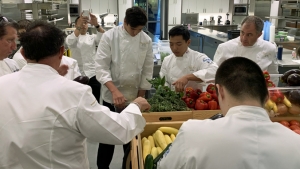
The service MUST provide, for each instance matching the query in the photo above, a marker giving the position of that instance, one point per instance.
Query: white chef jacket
(262, 52)
(46, 118)
(244, 139)
(83, 49)
(126, 61)
(8, 66)
(73, 70)
(18, 57)
(193, 62)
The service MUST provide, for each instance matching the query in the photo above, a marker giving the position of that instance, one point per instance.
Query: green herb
(164, 98)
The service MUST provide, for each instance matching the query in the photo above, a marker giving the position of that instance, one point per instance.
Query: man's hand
(63, 69)
(82, 21)
(180, 84)
(119, 99)
(94, 20)
(142, 102)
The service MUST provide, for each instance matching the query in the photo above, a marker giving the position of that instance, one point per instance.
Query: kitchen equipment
(212, 21)
(204, 22)
(190, 18)
(279, 52)
(233, 34)
(227, 22)
(102, 16)
(219, 20)
(74, 10)
(240, 9)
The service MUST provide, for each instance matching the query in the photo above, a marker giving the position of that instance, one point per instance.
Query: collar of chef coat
(253, 111)
(184, 55)
(39, 67)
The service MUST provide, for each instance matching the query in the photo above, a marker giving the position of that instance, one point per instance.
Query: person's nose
(14, 45)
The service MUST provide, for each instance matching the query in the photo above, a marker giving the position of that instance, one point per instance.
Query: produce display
(283, 100)
(163, 55)
(198, 100)
(291, 77)
(156, 143)
(164, 98)
(293, 125)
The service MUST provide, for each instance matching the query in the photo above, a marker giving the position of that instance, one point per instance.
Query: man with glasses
(124, 62)
(8, 37)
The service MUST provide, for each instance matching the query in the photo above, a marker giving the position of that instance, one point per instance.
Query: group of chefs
(46, 116)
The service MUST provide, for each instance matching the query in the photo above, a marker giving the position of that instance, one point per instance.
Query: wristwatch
(98, 26)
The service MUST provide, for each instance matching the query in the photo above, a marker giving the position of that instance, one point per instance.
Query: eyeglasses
(3, 19)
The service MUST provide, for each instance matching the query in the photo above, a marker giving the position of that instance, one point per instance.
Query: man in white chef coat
(8, 37)
(68, 66)
(83, 48)
(46, 122)
(184, 64)
(245, 137)
(249, 45)
(124, 63)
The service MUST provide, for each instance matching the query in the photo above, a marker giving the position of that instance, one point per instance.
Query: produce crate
(168, 116)
(204, 114)
(137, 161)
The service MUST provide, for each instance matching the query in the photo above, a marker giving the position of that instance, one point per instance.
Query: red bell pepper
(205, 96)
(212, 105)
(192, 94)
(201, 105)
(215, 97)
(198, 91)
(190, 102)
(276, 96)
(188, 89)
(211, 88)
(270, 83)
(266, 75)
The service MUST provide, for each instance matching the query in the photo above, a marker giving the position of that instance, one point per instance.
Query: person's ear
(61, 52)
(23, 53)
(221, 91)
(188, 42)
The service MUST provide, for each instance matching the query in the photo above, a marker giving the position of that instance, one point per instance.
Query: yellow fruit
(159, 150)
(287, 102)
(154, 152)
(169, 130)
(160, 138)
(275, 109)
(150, 138)
(270, 104)
(146, 149)
(155, 141)
(172, 137)
(168, 139)
(144, 139)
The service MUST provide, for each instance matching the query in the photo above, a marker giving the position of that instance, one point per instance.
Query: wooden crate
(137, 161)
(287, 118)
(204, 114)
(168, 116)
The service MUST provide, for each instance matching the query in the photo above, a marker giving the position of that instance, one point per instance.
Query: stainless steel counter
(210, 33)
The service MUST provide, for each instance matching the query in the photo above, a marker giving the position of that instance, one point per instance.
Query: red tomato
(294, 127)
(294, 122)
(285, 123)
(297, 131)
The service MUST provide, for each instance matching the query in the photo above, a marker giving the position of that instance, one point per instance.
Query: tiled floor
(92, 149)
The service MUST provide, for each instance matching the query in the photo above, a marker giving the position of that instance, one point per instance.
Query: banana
(168, 139)
(144, 139)
(287, 102)
(275, 109)
(168, 130)
(160, 138)
(172, 137)
(154, 152)
(270, 104)
(150, 138)
(146, 148)
(159, 150)
(155, 141)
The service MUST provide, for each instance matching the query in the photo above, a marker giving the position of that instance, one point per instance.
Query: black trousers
(106, 151)
(96, 87)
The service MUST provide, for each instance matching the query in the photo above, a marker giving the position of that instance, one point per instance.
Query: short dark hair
(23, 24)
(41, 40)
(180, 30)
(258, 22)
(243, 78)
(136, 16)
(4, 23)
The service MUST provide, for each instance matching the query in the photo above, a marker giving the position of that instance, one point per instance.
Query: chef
(68, 66)
(249, 45)
(8, 37)
(185, 65)
(47, 123)
(124, 63)
(83, 48)
(245, 138)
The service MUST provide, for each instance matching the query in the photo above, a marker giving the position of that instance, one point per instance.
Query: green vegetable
(160, 156)
(148, 162)
(163, 55)
(164, 98)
